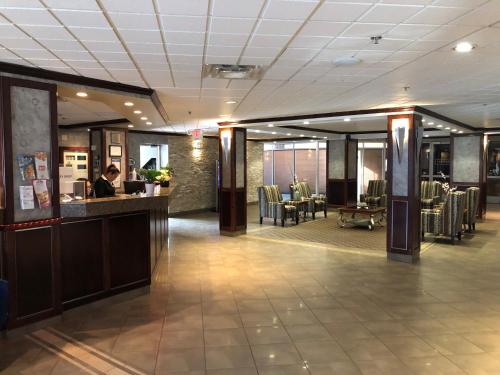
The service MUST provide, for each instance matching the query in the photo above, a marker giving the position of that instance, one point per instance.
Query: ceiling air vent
(228, 71)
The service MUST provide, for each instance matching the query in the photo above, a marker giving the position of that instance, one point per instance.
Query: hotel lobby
(257, 187)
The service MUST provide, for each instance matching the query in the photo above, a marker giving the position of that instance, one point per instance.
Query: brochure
(26, 167)
(41, 162)
(26, 197)
(42, 193)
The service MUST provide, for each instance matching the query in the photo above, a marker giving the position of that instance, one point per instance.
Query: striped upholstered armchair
(471, 206)
(447, 219)
(302, 192)
(271, 205)
(375, 194)
(431, 193)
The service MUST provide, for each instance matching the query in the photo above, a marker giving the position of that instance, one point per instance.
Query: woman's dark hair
(112, 169)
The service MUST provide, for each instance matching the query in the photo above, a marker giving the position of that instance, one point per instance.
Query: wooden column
(342, 171)
(403, 187)
(468, 165)
(233, 181)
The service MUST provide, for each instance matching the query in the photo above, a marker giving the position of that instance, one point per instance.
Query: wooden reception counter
(110, 245)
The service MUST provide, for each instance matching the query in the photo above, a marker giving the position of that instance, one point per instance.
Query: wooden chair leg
(261, 218)
(274, 221)
(297, 218)
(282, 222)
(325, 212)
(314, 215)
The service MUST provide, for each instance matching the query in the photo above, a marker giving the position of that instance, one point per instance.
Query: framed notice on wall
(116, 138)
(115, 151)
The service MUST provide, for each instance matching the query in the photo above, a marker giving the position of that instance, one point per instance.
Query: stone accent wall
(195, 173)
(255, 169)
(135, 140)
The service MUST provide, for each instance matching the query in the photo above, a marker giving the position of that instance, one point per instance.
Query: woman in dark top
(103, 186)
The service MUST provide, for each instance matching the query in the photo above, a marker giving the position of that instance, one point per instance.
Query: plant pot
(150, 189)
(165, 184)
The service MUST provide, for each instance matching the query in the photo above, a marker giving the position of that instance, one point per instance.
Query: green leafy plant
(149, 175)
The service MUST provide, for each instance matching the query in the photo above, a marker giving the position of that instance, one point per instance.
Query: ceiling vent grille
(228, 71)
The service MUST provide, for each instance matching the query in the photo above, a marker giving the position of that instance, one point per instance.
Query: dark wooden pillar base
(341, 171)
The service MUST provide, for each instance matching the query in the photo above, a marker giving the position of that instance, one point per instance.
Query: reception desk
(110, 245)
(94, 249)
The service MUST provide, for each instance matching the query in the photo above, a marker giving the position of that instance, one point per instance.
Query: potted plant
(166, 174)
(149, 176)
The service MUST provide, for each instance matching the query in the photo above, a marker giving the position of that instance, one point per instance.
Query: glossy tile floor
(251, 305)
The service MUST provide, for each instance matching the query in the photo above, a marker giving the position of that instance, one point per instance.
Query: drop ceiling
(163, 44)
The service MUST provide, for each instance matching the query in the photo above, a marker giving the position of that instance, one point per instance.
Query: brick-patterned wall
(194, 173)
(255, 169)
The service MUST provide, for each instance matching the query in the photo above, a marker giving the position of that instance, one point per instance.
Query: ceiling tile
(34, 53)
(20, 4)
(481, 16)
(82, 18)
(450, 33)
(74, 4)
(250, 60)
(261, 52)
(184, 37)
(234, 25)
(145, 47)
(231, 8)
(85, 64)
(366, 29)
(58, 45)
(269, 41)
(111, 65)
(310, 41)
(409, 31)
(349, 43)
(338, 12)
(290, 10)
(197, 24)
(93, 45)
(422, 45)
(278, 27)
(185, 59)
(30, 17)
(128, 6)
(111, 56)
(299, 53)
(185, 49)
(138, 36)
(437, 15)
(10, 31)
(323, 28)
(94, 34)
(383, 13)
(217, 59)
(184, 7)
(97, 72)
(75, 55)
(227, 39)
(48, 32)
(461, 3)
(223, 50)
(26, 43)
(134, 21)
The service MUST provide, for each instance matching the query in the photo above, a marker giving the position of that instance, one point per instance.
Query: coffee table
(361, 216)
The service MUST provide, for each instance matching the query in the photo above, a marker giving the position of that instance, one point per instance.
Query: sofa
(302, 192)
(271, 205)
(445, 220)
(376, 195)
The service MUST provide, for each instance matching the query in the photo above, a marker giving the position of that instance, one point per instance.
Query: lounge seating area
(376, 194)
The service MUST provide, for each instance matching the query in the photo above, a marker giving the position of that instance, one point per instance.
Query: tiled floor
(250, 305)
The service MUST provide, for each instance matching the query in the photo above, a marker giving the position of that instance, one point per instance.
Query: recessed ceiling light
(88, 130)
(137, 112)
(144, 118)
(149, 123)
(130, 125)
(447, 128)
(325, 137)
(460, 132)
(231, 101)
(426, 136)
(430, 123)
(347, 119)
(453, 130)
(224, 115)
(439, 126)
(273, 133)
(464, 47)
(302, 135)
(270, 125)
(128, 104)
(314, 136)
(289, 134)
(257, 131)
(423, 120)
(311, 140)
(306, 122)
(82, 94)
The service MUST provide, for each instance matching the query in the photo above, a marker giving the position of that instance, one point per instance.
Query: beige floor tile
(388, 328)
(228, 357)
(477, 363)
(267, 335)
(452, 344)
(275, 355)
(337, 368)
(234, 371)
(297, 317)
(254, 305)
(260, 319)
(489, 342)
(222, 321)
(386, 366)
(408, 346)
(286, 304)
(308, 333)
(178, 360)
(225, 337)
(181, 339)
(283, 370)
(321, 352)
(366, 349)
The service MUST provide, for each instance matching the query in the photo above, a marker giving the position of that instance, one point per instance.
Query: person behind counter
(103, 186)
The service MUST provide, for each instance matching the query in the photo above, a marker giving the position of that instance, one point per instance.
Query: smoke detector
(376, 39)
(347, 61)
(228, 71)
